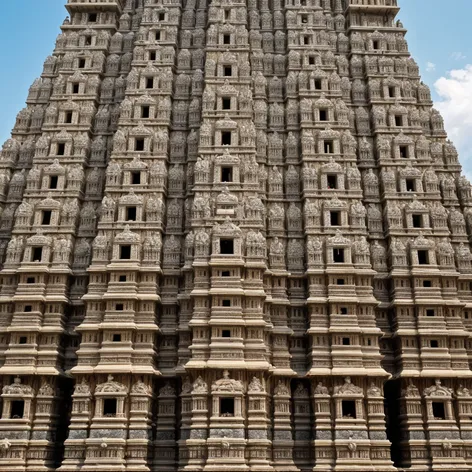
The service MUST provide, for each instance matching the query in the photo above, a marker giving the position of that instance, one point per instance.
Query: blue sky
(440, 39)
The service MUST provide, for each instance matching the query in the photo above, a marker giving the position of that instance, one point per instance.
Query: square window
(328, 147)
(46, 217)
(434, 343)
(343, 310)
(152, 57)
(304, 19)
(61, 149)
(226, 303)
(75, 88)
(125, 252)
(158, 35)
(349, 409)
(429, 312)
(28, 309)
(119, 307)
(318, 82)
(427, 284)
(145, 111)
(92, 17)
(17, 409)
(150, 81)
(311, 61)
(225, 273)
(332, 181)
(135, 178)
(81, 63)
(88, 40)
(162, 16)
(30, 280)
(131, 213)
(398, 120)
(226, 138)
(226, 333)
(423, 257)
(226, 39)
(226, 174)
(346, 341)
(68, 117)
(226, 103)
(323, 115)
(23, 340)
(227, 71)
(109, 407)
(340, 282)
(226, 406)
(338, 255)
(53, 181)
(116, 338)
(335, 218)
(226, 246)
(410, 185)
(417, 221)
(122, 278)
(37, 254)
(439, 412)
(139, 144)
(404, 152)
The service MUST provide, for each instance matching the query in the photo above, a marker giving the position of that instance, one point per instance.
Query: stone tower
(233, 236)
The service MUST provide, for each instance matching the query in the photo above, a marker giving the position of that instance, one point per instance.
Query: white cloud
(458, 56)
(455, 105)
(430, 67)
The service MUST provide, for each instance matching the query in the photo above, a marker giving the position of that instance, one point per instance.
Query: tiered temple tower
(233, 236)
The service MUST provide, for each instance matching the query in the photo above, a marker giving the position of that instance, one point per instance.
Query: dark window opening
(125, 252)
(145, 112)
(429, 312)
(53, 181)
(119, 307)
(226, 39)
(81, 63)
(306, 40)
(328, 147)
(152, 57)
(226, 302)
(23, 340)
(423, 257)
(225, 273)
(227, 71)
(75, 88)
(304, 18)
(227, 14)
(417, 221)
(332, 181)
(318, 82)
(391, 92)
(226, 103)
(226, 174)
(158, 35)
(311, 61)
(162, 16)
(28, 309)
(30, 280)
(323, 115)
(92, 17)
(439, 412)
(404, 152)
(17, 409)
(88, 40)
(109, 407)
(117, 338)
(139, 145)
(68, 118)
(375, 45)
(349, 409)
(226, 246)
(61, 149)
(130, 213)
(135, 178)
(122, 278)
(37, 254)
(398, 120)
(226, 138)
(150, 81)
(226, 333)
(343, 310)
(434, 343)
(46, 219)
(410, 185)
(226, 406)
(338, 255)
(335, 218)
(340, 282)
(346, 341)
(427, 284)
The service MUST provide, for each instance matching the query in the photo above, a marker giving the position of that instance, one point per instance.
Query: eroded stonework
(234, 236)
